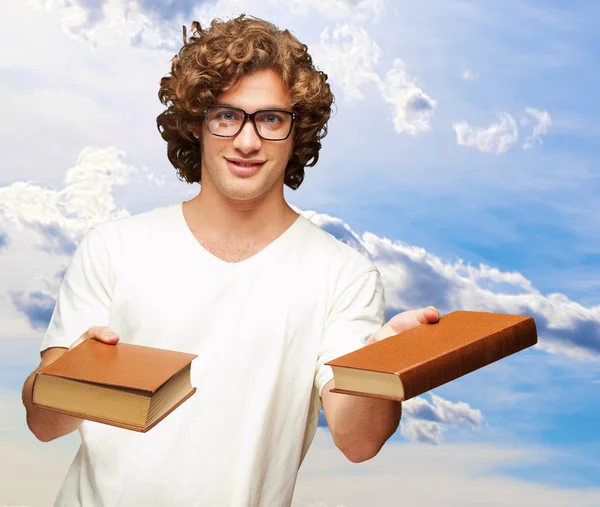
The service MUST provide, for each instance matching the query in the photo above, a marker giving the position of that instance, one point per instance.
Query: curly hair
(212, 62)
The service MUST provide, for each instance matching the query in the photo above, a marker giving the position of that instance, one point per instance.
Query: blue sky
(462, 159)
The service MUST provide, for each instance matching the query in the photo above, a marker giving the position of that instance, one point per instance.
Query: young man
(235, 275)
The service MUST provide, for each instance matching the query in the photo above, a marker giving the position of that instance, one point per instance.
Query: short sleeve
(358, 312)
(85, 293)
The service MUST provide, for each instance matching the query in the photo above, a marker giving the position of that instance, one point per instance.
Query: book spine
(469, 358)
(33, 390)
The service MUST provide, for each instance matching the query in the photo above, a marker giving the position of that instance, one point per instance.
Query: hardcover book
(427, 356)
(124, 385)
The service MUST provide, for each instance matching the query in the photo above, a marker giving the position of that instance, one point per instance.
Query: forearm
(365, 424)
(46, 424)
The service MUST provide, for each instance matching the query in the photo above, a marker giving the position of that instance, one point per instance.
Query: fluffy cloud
(413, 278)
(3, 238)
(500, 136)
(428, 421)
(42, 227)
(413, 108)
(336, 227)
(496, 138)
(157, 25)
(346, 51)
(469, 75)
(348, 55)
(337, 9)
(327, 478)
(36, 305)
(431, 476)
(61, 217)
(542, 121)
(97, 22)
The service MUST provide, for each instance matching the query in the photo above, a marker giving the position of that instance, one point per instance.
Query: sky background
(462, 158)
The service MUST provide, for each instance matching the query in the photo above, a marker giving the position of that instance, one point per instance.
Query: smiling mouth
(245, 164)
(244, 169)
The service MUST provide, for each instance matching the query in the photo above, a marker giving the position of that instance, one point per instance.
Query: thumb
(103, 334)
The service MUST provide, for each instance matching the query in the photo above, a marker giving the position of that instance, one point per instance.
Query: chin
(245, 194)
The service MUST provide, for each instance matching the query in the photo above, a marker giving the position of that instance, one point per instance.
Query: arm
(84, 299)
(360, 426)
(46, 424)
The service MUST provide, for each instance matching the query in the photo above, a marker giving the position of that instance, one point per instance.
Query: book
(125, 385)
(427, 356)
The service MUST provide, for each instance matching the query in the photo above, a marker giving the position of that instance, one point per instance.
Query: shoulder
(343, 252)
(134, 227)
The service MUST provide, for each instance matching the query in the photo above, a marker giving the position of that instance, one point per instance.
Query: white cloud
(412, 276)
(86, 198)
(335, 226)
(500, 136)
(100, 23)
(415, 278)
(158, 24)
(44, 224)
(413, 108)
(542, 122)
(41, 227)
(422, 431)
(347, 54)
(432, 476)
(469, 75)
(428, 421)
(338, 9)
(327, 478)
(25, 460)
(497, 138)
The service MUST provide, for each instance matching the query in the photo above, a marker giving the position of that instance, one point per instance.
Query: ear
(196, 129)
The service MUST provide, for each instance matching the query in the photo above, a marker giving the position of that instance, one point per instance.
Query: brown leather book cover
(120, 365)
(430, 355)
(136, 371)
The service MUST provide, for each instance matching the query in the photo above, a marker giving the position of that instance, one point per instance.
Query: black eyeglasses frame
(249, 116)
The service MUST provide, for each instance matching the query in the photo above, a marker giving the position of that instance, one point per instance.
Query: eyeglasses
(269, 124)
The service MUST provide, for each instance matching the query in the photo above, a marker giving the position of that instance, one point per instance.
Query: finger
(404, 321)
(407, 320)
(412, 318)
(383, 332)
(431, 314)
(103, 334)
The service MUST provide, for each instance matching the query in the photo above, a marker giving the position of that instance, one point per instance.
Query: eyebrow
(269, 106)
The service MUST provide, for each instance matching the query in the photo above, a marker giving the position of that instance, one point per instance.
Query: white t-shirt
(262, 328)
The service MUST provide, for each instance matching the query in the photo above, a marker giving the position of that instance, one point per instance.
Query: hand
(403, 321)
(103, 334)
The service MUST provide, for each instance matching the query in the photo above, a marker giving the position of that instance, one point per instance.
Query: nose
(247, 140)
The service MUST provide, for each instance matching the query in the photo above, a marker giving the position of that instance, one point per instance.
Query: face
(247, 168)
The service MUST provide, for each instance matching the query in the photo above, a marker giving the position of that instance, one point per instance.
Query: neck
(218, 216)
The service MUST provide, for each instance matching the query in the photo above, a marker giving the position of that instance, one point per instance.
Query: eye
(226, 116)
(270, 118)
